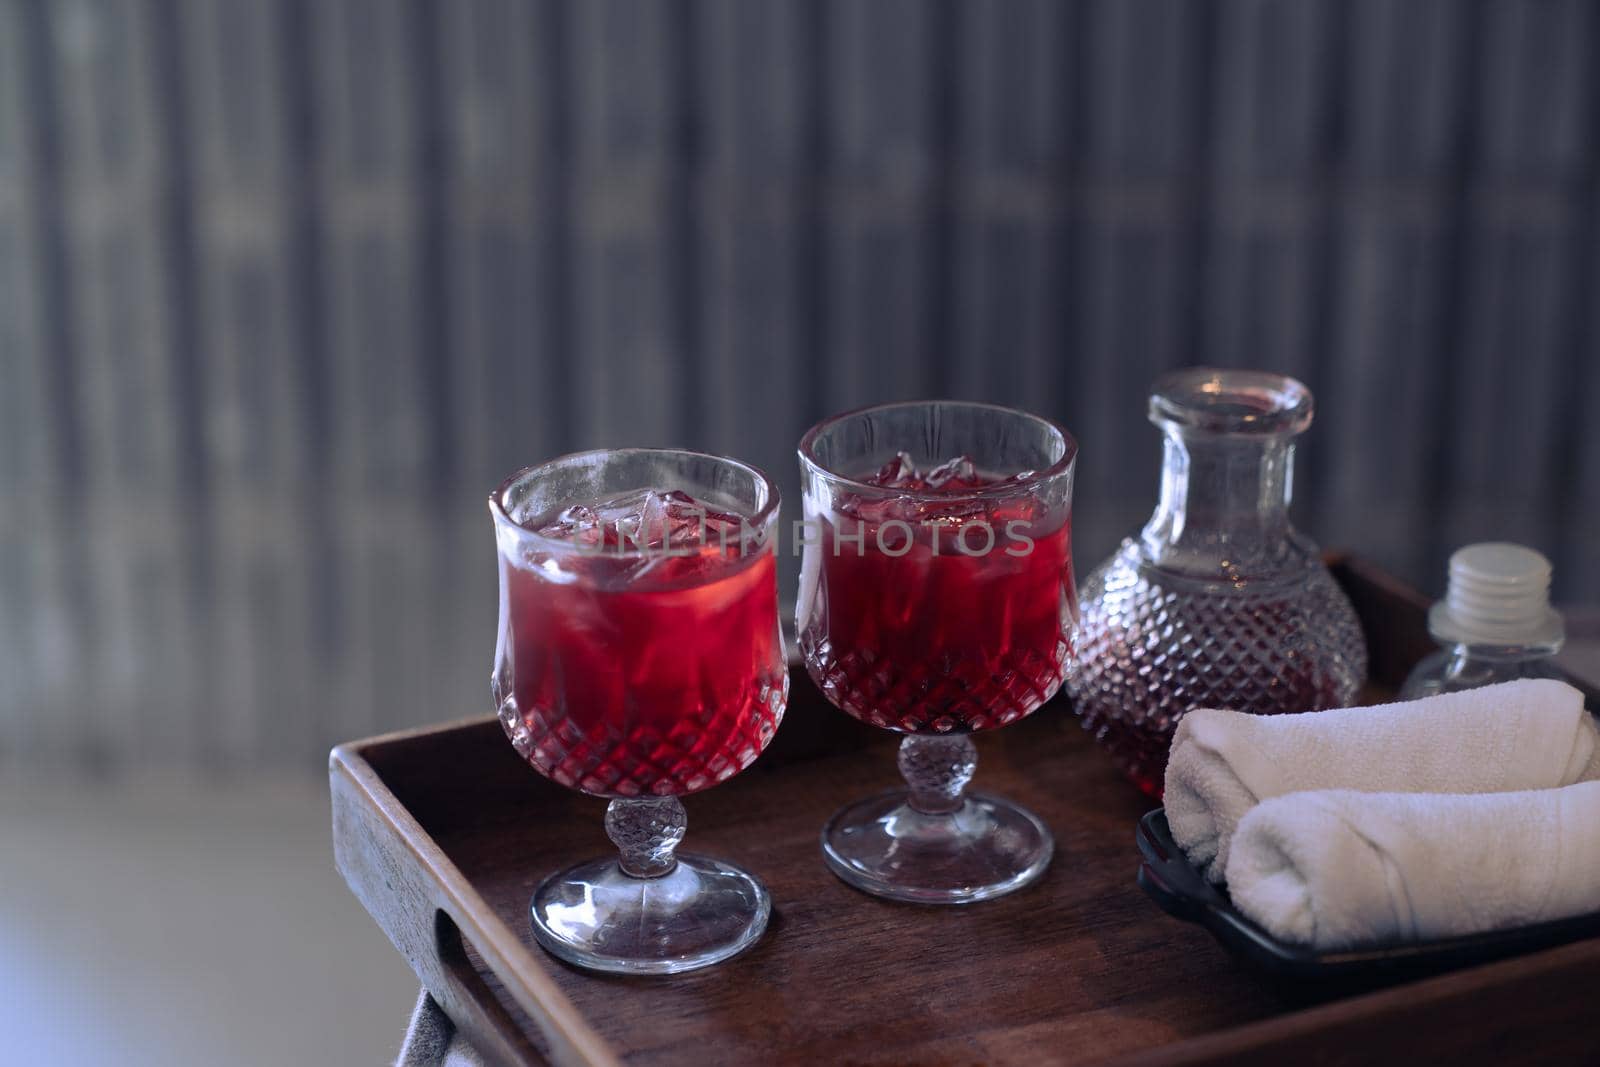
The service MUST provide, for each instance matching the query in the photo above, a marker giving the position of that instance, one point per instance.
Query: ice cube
(899, 473)
(953, 512)
(957, 473)
(572, 521)
(683, 520)
(649, 519)
(726, 533)
(625, 519)
(876, 511)
(695, 524)
(638, 520)
(633, 569)
(1014, 509)
(952, 475)
(652, 527)
(949, 509)
(580, 524)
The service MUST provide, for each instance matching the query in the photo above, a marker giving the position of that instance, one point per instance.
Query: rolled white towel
(1529, 734)
(1336, 869)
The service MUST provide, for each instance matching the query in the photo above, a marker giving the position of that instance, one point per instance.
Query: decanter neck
(1227, 474)
(1224, 503)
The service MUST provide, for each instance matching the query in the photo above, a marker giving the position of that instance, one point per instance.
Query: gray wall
(286, 286)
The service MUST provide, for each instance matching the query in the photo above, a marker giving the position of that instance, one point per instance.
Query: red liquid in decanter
(1141, 750)
(940, 612)
(1146, 680)
(635, 673)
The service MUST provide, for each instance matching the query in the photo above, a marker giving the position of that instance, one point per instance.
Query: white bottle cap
(1499, 594)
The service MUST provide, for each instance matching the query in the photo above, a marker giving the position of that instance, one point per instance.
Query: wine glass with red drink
(937, 601)
(639, 658)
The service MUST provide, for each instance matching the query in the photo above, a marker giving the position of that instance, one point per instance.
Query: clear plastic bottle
(1495, 623)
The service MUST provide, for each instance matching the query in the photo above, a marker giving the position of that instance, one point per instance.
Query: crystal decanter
(1219, 602)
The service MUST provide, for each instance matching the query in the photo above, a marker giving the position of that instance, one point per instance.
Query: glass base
(986, 848)
(702, 912)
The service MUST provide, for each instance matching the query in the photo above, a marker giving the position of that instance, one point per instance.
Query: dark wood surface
(445, 833)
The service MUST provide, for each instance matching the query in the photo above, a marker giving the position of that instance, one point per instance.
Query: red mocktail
(941, 612)
(639, 652)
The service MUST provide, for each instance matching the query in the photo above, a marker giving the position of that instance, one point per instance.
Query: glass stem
(938, 768)
(646, 831)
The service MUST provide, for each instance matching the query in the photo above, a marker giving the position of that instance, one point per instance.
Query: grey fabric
(432, 1041)
(280, 410)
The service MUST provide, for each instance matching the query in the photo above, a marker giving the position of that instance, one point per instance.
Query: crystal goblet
(937, 600)
(639, 658)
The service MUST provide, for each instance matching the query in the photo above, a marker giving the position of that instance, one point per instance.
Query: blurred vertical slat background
(286, 286)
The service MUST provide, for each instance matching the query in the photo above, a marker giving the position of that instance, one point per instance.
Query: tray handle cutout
(454, 958)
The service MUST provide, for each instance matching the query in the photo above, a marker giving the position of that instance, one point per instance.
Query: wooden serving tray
(443, 834)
